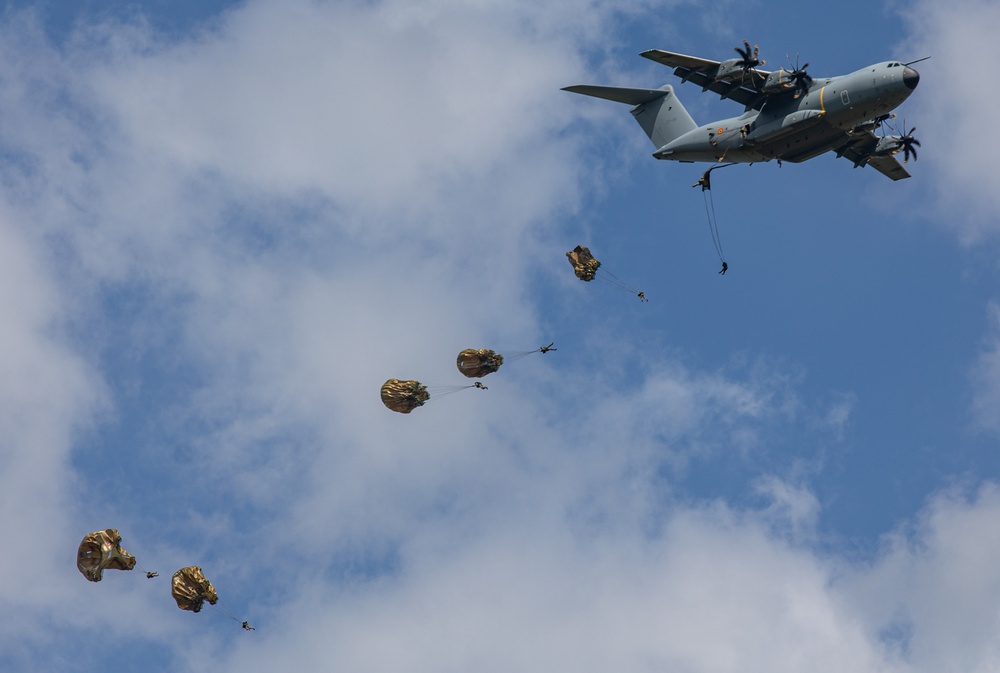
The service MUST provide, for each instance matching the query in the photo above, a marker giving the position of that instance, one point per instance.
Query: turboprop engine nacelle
(777, 81)
(730, 70)
(888, 145)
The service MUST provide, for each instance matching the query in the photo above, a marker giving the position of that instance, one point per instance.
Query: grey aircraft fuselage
(796, 129)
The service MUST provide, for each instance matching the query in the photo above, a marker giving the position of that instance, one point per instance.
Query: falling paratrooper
(705, 182)
(405, 396)
(190, 589)
(585, 266)
(475, 363)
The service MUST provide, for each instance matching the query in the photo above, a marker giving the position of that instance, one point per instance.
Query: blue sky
(224, 225)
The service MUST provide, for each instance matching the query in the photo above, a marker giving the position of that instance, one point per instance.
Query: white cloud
(790, 507)
(933, 595)
(713, 592)
(950, 108)
(309, 198)
(48, 396)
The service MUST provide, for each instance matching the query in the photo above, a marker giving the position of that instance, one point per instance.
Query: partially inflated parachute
(477, 363)
(585, 267)
(190, 589)
(404, 396)
(584, 264)
(100, 551)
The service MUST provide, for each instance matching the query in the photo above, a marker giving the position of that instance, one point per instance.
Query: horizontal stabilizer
(619, 94)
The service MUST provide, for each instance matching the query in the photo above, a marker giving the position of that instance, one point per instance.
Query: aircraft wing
(889, 166)
(672, 60)
(858, 150)
(702, 71)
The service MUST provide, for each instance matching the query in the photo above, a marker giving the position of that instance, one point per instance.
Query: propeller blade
(750, 59)
(910, 144)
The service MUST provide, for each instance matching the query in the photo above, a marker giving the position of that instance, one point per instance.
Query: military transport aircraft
(789, 115)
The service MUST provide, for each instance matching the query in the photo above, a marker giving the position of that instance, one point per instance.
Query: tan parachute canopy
(190, 589)
(477, 363)
(100, 551)
(404, 396)
(585, 267)
(584, 264)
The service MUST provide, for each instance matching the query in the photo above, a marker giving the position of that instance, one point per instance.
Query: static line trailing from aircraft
(788, 116)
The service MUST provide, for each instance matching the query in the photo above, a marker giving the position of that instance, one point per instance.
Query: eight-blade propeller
(799, 77)
(909, 144)
(906, 143)
(749, 60)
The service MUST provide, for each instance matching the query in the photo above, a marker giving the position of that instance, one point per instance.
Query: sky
(224, 224)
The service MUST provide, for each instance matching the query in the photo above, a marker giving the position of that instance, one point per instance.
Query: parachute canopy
(585, 267)
(100, 551)
(584, 264)
(190, 589)
(404, 396)
(477, 363)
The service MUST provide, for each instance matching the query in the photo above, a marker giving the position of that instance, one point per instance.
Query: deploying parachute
(191, 589)
(477, 363)
(585, 267)
(584, 264)
(404, 396)
(100, 551)
(705, 182)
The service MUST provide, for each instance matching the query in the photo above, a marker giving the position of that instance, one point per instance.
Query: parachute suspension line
(441, 391)
(225, 614)
(511, 355)
(587, 268)
(611, 279)
(705, 182)
(229, 615)
(516, 355)
(713, 224)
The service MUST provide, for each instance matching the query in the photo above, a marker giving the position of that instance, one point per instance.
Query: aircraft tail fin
(658, 111)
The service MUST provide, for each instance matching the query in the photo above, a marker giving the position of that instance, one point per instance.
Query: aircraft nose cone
(910, 77)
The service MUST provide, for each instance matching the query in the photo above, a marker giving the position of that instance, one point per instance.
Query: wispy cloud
(958, 145)
(216, 249)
